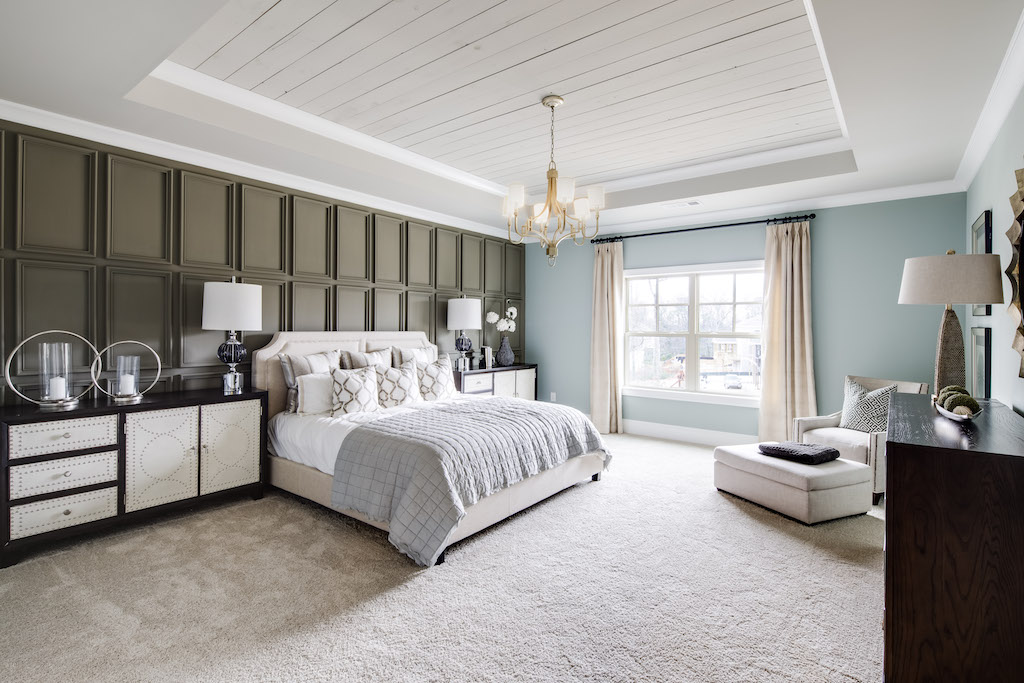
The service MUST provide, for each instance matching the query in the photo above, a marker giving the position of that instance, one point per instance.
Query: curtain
(606, 339)
(787, 388)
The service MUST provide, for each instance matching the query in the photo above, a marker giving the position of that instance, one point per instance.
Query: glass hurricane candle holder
(55, 372)
(124, 386)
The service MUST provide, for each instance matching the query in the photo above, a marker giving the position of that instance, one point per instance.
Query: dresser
(102, 464)
(519, 381)
(954, 544)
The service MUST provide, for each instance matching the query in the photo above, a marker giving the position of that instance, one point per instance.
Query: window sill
(745, 401)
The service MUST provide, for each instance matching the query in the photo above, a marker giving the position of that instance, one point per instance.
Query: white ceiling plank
(624, 49)
(675, 102)
(284, 17)
(776, 81)
(296, 44)
(370, 29)
(549, 34)
(345, 80)
(228, 22)
(603, 94)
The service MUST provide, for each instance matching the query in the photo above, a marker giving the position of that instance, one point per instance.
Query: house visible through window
(695, 329)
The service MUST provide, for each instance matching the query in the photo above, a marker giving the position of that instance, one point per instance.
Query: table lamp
(231, 307)
(464, 314)
(948, 280)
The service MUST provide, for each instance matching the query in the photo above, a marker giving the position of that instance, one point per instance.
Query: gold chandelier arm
(515, 218)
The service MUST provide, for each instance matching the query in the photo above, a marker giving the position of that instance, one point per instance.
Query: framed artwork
(981, 363)
(981, 243)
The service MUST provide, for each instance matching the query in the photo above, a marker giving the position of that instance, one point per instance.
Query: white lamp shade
(581, 207)
(232, 306)
(464, 314)
(952, 279)
(516, 196)
(596, 196)
(565, 190)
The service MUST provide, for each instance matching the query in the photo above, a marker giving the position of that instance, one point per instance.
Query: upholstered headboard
(266, 368)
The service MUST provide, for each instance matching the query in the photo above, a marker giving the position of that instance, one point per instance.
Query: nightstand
(519, 381)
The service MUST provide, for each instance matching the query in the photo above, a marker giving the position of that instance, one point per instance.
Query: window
(695, 329)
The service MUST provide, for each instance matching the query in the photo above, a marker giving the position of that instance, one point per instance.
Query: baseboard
(706, 437)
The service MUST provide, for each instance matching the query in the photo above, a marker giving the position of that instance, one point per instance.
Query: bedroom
(349, 160)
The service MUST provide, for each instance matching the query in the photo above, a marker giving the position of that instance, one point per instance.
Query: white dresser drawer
(57, 436)
(57, 513)
(477, 383)
(63, 474)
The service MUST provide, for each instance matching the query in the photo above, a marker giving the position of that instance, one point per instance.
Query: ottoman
(808, 493)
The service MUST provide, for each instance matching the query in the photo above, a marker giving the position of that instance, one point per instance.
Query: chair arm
(805, 424)
(876, 460)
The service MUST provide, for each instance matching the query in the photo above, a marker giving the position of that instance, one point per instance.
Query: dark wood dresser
(954, 544)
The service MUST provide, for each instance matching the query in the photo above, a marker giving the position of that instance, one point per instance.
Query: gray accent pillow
(354, 391)
(436, 379)
(355, 359)
(425, 354)
(397, 386)
(866, 411)
(294, 366)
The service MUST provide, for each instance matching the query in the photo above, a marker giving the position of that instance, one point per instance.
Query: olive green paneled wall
(113, 244)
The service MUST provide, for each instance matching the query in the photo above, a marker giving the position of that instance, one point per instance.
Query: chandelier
(551, 222)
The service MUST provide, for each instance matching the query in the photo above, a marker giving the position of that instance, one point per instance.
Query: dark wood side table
(954, 544)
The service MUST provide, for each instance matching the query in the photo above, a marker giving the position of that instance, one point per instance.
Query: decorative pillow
(397, 386)
(355, 359)
(314, 393)
(294, 366)
(436, 380)
(866, 411)
(292, 401)
(426, 354)
(354, 391)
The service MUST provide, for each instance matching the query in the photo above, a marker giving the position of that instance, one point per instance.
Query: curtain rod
(766, 221)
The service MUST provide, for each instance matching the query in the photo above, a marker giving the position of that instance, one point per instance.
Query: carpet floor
(648, 575)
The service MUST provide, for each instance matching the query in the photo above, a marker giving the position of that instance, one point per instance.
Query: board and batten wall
(113, 244)
(991, 189)
(857, 255)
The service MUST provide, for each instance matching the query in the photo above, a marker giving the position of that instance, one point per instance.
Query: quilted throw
(419, 470)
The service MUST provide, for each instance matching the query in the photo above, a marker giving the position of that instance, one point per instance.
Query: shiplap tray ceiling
(429, 108)
(650, 85)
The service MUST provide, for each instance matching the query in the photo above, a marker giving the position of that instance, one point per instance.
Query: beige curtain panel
(787, 389)
(606, 339)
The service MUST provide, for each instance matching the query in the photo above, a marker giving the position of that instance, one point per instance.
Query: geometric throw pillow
(354, 391)
(866, 411)
(397, 386)
(436, 379)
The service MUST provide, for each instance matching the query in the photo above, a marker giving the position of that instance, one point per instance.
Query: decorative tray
(953, 416)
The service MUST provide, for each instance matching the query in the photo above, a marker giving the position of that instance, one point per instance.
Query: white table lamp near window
(948, 280)
(232, 306)
(464, 314)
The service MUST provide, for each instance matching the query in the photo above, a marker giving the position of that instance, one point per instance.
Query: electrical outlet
(552, 397)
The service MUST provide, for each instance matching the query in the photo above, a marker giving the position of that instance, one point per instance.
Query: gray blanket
(419, 470)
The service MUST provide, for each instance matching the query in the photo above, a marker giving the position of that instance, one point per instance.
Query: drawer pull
(68, 473)
(67, 512)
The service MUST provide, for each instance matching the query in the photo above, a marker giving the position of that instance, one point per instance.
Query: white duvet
(314, 440)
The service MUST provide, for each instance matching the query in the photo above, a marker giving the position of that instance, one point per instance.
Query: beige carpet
(648, 575)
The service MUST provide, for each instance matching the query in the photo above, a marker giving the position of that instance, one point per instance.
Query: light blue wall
(991, 188)
(857, 255)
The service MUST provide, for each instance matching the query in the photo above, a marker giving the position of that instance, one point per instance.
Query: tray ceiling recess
(652, 85)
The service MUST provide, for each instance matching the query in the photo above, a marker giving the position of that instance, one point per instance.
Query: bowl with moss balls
(957, 404)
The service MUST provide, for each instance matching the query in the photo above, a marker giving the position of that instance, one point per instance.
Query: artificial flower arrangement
(506, 324)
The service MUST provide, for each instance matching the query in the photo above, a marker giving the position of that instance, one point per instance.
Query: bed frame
(314, 485)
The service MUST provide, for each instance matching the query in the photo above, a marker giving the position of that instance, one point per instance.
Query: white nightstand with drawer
(517, 381)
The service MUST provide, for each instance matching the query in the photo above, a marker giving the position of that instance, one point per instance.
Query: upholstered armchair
(865, 447)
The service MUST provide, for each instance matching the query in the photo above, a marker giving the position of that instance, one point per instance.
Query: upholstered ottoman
(809, 493)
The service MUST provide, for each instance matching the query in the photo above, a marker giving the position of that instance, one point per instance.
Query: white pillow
(355, 359)
(436, 380)
(354, 391)
(315, 393)
(293, 365)
(398, 386)
(426, 354)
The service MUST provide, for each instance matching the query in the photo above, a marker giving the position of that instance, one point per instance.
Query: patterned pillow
(426, 354)
(436, 380)
(354, 391)
(397, 386)
(866, 411)
(314, 393)
(355, 359)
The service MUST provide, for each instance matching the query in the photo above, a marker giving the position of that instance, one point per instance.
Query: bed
(302, 465)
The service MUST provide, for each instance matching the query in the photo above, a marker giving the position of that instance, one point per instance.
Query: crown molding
(1006, 88)
(60, 123)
